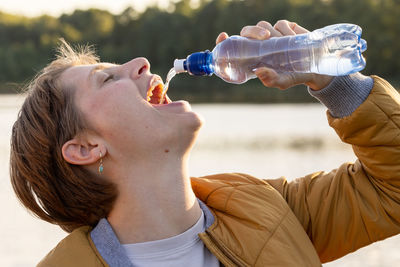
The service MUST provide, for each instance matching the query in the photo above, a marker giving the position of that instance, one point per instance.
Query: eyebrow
(93, 70)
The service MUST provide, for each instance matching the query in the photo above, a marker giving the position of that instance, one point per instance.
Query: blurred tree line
(161, 35)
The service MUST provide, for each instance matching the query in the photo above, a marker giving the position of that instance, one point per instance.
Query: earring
(101, 167)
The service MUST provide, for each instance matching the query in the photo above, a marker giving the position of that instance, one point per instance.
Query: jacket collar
(108, 245)
(207, 214)
(110, 248)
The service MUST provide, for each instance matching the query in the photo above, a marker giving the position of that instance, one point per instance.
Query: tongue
(156, 100)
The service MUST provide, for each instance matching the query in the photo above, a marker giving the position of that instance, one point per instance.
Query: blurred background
(249, 128)
(175, 29)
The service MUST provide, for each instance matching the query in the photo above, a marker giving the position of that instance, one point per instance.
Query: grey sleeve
(344, 94)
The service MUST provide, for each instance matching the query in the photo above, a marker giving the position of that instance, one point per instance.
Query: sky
(33, 8)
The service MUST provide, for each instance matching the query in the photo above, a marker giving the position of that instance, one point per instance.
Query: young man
(92, 154)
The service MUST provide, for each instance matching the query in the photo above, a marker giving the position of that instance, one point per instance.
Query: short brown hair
(54, 190)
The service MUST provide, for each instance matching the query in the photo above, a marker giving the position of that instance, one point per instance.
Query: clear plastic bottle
(333, 50)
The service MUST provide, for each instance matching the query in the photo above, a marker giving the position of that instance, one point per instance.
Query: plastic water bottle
(333, 50)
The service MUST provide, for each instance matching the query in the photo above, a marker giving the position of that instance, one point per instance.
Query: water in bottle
(333, 50)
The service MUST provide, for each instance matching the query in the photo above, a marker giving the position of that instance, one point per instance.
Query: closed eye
(110, 77)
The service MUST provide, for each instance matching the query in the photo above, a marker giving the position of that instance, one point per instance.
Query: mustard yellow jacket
(314, 219)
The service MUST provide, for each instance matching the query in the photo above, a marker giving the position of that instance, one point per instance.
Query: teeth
(155, 83)
(150, 93)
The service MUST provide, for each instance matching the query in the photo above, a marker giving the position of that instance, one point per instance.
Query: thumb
(271, 78)
(267, 76)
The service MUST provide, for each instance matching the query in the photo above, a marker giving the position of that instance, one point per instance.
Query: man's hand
(270, 78)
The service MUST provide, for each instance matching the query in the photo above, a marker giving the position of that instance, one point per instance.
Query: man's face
(114, 101)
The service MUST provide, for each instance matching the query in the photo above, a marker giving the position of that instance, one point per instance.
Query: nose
(138, 67)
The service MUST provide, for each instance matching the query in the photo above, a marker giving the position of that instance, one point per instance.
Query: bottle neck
(199, 64)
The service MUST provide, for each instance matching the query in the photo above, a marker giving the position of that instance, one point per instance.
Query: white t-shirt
(185, 249)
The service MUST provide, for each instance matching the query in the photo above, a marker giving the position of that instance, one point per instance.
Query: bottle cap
(179, 65)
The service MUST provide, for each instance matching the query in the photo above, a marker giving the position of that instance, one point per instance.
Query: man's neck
(157, 203)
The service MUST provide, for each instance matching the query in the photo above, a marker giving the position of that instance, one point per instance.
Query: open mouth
(156, 94)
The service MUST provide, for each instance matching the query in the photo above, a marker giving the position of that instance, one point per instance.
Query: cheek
(120, 118)
(103, 110)
(112, 103)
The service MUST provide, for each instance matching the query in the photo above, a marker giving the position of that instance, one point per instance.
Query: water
(266, 141)
(171, 74)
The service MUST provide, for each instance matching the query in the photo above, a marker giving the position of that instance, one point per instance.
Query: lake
(266, 141)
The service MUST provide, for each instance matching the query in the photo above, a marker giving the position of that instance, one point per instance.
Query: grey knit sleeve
(344, 94)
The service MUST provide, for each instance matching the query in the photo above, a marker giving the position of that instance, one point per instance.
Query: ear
(81, 152)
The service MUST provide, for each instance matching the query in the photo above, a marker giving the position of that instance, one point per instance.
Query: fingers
(289, 28)
(255, 32)
(264, 30)
(222, 36)
(298, 29)
(270, 28)
(285, 27)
